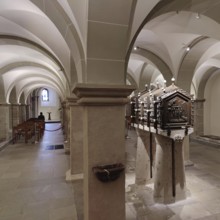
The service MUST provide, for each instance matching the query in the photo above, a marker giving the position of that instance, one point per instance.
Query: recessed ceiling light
(135, 48)
(187, 48)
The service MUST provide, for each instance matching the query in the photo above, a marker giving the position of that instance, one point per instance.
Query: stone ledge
(74, 177)
(96, 90)
(4, 144)
(206, 140)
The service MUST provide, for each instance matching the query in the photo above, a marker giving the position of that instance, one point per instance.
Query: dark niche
(108, 173)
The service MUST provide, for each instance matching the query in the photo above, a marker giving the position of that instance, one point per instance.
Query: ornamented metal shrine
(165, 111)
(164, 108)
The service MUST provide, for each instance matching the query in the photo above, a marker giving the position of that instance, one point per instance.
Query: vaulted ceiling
(53, 43)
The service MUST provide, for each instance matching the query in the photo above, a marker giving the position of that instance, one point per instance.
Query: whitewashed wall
(53, 105)
(212, 106)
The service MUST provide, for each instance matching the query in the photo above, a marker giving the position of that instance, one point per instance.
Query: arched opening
(45, 95)
(49, 104)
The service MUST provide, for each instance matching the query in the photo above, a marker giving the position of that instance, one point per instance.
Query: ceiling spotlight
(187, 48)
(135, 48)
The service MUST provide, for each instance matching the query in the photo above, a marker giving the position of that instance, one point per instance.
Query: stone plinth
(169, 179)
(143, 170)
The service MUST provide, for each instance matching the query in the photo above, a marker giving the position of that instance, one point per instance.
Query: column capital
(15, 104)
(95, 94)
(199, 100)
(22, 104)
(70, 101)
(5, 104)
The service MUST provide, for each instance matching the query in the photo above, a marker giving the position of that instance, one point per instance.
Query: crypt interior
(80, 63)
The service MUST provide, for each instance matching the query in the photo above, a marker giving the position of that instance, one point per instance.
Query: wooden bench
(28, 129)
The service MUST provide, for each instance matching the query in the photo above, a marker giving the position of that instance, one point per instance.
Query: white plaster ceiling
(169, 31)
(53, 41)
(29, 39)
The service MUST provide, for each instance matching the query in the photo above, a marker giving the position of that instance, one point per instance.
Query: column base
(73, 177)
(66, 147)
(188, 163)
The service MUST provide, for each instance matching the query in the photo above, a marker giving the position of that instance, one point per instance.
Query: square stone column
(15, 114)
(169, 180)
(22, 113)
(75, 140)
(4, 122)
(64, 119)
(66, 126)
(103, 110)
(198, 116)
(145, 157)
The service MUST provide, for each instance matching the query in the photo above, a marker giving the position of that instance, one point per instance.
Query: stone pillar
(64, 120)
(164, 172)
(4, 122)
(34, 105)
(22, 113)
(67, 127)
(186, 146)
(198, 112)
(76, 140)
(143, 166)
(27, 112)
(15, 112)
(103, 110)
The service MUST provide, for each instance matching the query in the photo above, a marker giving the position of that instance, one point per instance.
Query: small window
(45, 95)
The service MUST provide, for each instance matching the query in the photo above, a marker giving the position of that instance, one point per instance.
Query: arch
(45, 95)
(28, 90)
(71, 33)
(22, 99)
(164, 10)
(33, 67)
(17, 40)
(12, 99)
(157, 61)
(131, 80)
(2, 91)
(190, 61)
(204, 80)
(22, 79)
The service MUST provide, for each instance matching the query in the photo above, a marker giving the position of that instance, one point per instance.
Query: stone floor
(202, 181)
(33, 186)
(32, 180)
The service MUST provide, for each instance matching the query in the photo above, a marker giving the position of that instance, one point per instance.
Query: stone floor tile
(30, 176)
(33, 186)
(11, 175)
(192, 211)
(213, 206)
(62, 213)
(202, 183)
